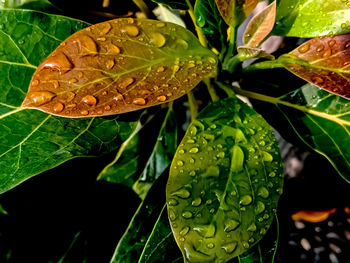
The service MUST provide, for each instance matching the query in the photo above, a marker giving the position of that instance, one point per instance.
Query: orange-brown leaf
(313, 216)
(324, 62)
(119, 66)
(260, 26)
(235, 11)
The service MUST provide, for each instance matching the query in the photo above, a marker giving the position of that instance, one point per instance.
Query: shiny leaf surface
(210, 20)
(320, 119)
(235, 11)
(119, 66)
(323, 62)
(175, 4)
(312, 18)
(250, 52)
(260, 26)
(32, 141)
(224, 183)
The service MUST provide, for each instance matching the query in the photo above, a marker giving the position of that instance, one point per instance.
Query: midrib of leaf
(41, 30)
(18, 64)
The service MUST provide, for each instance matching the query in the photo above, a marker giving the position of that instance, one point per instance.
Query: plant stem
(228, 89)
(211, 90)
(143, 7)
(193, 105)
(202, 39)
(264, 65)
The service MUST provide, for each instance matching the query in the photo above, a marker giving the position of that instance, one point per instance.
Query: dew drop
(327, 53)
(187, 215)
(58, 107)
(331, 43)
(197, 202)
(139, 101)
(272, 174)
(267, 157)
(41, 97)
(182, 193)
(106, 28)
(173, 202)
(194, 150)
(160, 69)
(126, 82)
(35, 82)
(110, 64)
(230, 225)
(73, 80)
(304, 48)
(86, 43)
(58, 62)
(101, 39)
(131, 30)
(172, 215)
(210, 245)
(84, 112)
(252, 228)
(230, 247)
(347, 45)
(89, 100)
(245, 244)
(157, 39)
(108, 108)
(317, 80)
(161, 98)
(180, 163)
(263, 192)
(206, 231)
(260, 207)
(320, 48)
(193, 130)
(55, 83)
(113, 49)
(184, 231)
(182, 43)
(160, 24)
(246, 200)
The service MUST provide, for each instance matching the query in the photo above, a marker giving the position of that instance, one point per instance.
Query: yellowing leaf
(260, 26)
(119, 66)
(250, 52)
(324, 62)
(235, 11)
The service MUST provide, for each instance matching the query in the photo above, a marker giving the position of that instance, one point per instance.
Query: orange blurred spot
(313, 216)
(347, 210)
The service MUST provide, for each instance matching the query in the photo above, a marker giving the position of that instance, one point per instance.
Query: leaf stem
(202, 39)
(193, 105)
(143, 7)
(227, 89)
(213, 95)
(264, 65)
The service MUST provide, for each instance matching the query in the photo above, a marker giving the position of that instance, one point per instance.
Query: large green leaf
(148, 237)
(210, 20)
(32, 141)
(320, 119)
(312, 18)
(224, 183)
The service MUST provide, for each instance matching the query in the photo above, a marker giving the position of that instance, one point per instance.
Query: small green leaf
(213, 26)
(312, 18)
(224, 183)
(260, 26)
(119, 66)
(32, 141)
(250, 52)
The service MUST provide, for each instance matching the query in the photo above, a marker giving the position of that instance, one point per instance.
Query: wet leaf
(235, 11)
(161, 156)
(250, 52)
(224, 183)
(212, 24)
(148, 237)
(175, 4)
(119, 66)
(323, 62)
(260, 26)
(32, 141)
(164, 14)
(318, 118)
(312, 18)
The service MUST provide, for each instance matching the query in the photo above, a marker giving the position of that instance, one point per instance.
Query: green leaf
(213, 26)
(167, 15)
(32, 141)
(161, 156)
(3, 211)
(119, 66)
(175, 4)
(312, 18)
(148, 237)
(245, 53)
(320, 119)
(224, 183)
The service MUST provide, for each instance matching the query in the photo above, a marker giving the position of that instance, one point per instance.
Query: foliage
(70, 89)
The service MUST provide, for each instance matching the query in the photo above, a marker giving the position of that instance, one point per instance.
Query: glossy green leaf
(213, 26)
(119, 66)
(312, 18)
(148, 237)
(224, 183)
(320, 119)
(245, 53)
(162, 155)
(175, 4)
(32, 141)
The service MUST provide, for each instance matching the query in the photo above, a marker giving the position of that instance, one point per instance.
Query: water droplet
(35, 82)
(304, 48)
(212, 171)
(89, 100)
(206, 231)
(327, 53)
(210, 245)
(126, 82)
(272, 174)
(331, 43)
(139, 101)
(106, 28)
(58, 107)
(263, 192)
(180, 163)
(221, 155)
(230, 247)
(181, 151)
(160, 24)
(260, 207)
(172, 215)
(262, 143)
(209, 202)
(101, 39)
(41, 97)
(84, 112)
(245, 244)
(194, 150)
(320, 48)
(246, 200)
(157, 39)
(187, 215)
(230, 225)
(161, 98)
(197, 202)
(184, 231)
(317, 80)
(132, 31)
(182, 239)
(173, 202)
(73, 80)
(252, 228)
(182, 193)
(192, 173)
(108, 107)
(347, 45)
(110, 64)
(182, 44)
(267, 157)
(113, 49)
(86, 44)
(160, 69)
(211, 60)
(58, 62)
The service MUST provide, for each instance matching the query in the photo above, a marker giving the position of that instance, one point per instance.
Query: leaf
(224, 183)
(3, 211)
(245, 53)
(213, 26)
(149, 235)
(235, 11)
(318, 118)
(312, 18)
(162, 155)
(31, 141)
(323, 62)
(119, 66)
(260, 26)
(164, 14)
(174, 4)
